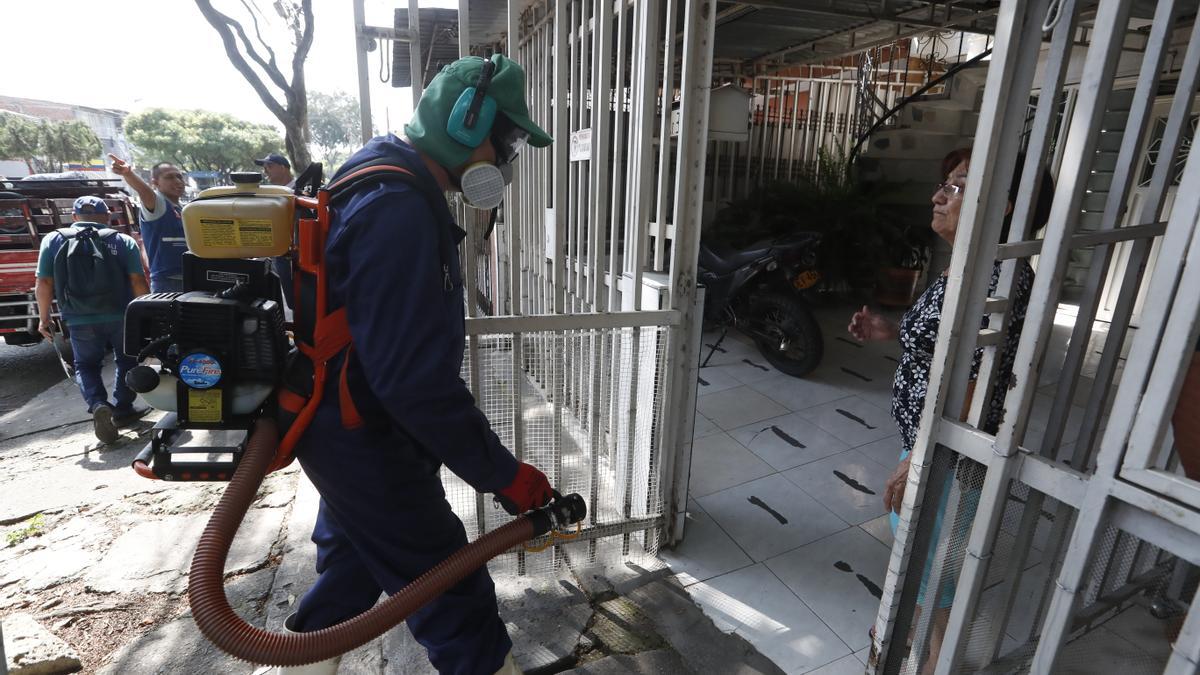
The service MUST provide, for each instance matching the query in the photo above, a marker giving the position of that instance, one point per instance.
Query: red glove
(528, 490)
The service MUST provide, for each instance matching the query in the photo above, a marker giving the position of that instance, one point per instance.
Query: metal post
(364, 78)
(464, 28)
(415, 62)
(698, 36)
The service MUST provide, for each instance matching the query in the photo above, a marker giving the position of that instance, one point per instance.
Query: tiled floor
(787, 541)
(787, 538)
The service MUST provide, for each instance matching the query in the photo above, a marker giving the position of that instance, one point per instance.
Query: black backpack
(88, 278)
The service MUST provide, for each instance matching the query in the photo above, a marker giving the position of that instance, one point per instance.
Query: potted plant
(858, 239)
(904, 255)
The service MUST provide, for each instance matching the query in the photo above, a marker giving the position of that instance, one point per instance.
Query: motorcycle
(760, 291)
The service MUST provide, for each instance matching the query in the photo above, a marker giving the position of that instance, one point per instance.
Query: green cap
(427, 129)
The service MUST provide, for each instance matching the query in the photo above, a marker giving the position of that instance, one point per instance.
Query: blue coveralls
(383, 518)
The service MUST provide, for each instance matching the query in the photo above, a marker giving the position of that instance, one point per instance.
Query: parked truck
(40, 207)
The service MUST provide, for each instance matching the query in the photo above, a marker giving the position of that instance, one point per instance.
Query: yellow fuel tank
(243, 220)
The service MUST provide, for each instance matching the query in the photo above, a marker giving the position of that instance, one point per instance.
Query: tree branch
(304, 43)
(221, 24)
(254, 12)
(270, 69)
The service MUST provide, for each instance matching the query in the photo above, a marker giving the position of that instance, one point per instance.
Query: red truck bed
(43, 207)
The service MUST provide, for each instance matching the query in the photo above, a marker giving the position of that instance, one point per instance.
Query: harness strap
(351, 418)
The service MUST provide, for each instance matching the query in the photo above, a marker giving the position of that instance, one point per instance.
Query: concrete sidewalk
(95, 573)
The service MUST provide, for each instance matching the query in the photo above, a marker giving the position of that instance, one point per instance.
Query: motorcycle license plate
(806, 279)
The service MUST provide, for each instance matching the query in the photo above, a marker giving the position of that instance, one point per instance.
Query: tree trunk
(292, 112)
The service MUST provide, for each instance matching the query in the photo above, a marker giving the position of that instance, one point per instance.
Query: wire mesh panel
(588, 404)
(940, 540)
(1131, 609)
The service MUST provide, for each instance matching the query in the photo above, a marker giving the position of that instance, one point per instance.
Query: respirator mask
(483, 183)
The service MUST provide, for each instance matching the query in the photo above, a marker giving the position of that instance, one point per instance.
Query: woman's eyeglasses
(950, 190)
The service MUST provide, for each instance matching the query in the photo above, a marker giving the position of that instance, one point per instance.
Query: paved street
(94, 560)
(26, 372)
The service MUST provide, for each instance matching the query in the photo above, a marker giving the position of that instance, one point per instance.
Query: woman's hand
(893, 489)
(867, 326)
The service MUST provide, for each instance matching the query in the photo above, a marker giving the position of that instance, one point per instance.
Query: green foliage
(46, 145)
(336, 126)
(31, 529)
(200, 140)
(858, 236)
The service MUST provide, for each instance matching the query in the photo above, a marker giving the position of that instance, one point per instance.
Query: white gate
(588, 376)
(1079, 473)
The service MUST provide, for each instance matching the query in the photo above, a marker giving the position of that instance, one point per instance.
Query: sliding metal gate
(1013, 546)
(590, 377)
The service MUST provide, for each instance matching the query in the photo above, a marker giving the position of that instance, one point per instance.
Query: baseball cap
(427, 130)
(90, 206)
(274, 159)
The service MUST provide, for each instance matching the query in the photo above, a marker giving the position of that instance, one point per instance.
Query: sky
(137, 54)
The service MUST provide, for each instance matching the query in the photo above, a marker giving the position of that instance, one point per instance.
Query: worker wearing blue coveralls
(393, 264)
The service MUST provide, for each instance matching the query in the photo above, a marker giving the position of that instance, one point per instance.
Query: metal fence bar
(602, 123)
(615, 252)
(1173, 317)
(754, 125)
(514, 213)
(792, 137)
(664, 143)
(1111, 19)
(562, 130)
(477, 393)
(1096, 83)
(1026, 249)
(1125, 171)
(1016, 72)
(1000, 76)
(642, 200)
(1130, 283)
(573, 221)
(776, 149)
(1039, 139)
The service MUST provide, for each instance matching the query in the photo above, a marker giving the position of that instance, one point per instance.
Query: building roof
(765, 35)
(439, 36)
(52, 110)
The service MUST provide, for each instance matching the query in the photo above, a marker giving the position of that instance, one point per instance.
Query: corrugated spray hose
(218, 622)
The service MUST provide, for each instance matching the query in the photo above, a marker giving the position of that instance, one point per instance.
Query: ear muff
(474, 112)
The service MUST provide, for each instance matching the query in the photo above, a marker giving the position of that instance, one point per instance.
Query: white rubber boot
(326, 667)
(509, 667)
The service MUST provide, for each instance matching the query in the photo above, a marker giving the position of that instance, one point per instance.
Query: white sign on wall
(581, 145)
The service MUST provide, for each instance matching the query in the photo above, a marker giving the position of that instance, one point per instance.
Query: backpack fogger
(240, 393)
(220, 345)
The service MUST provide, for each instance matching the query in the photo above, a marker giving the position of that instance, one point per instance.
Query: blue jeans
(165, 284)
(283, 268)
(90, 342)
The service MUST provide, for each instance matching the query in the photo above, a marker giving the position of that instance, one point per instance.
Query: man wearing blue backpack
(93, 272)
